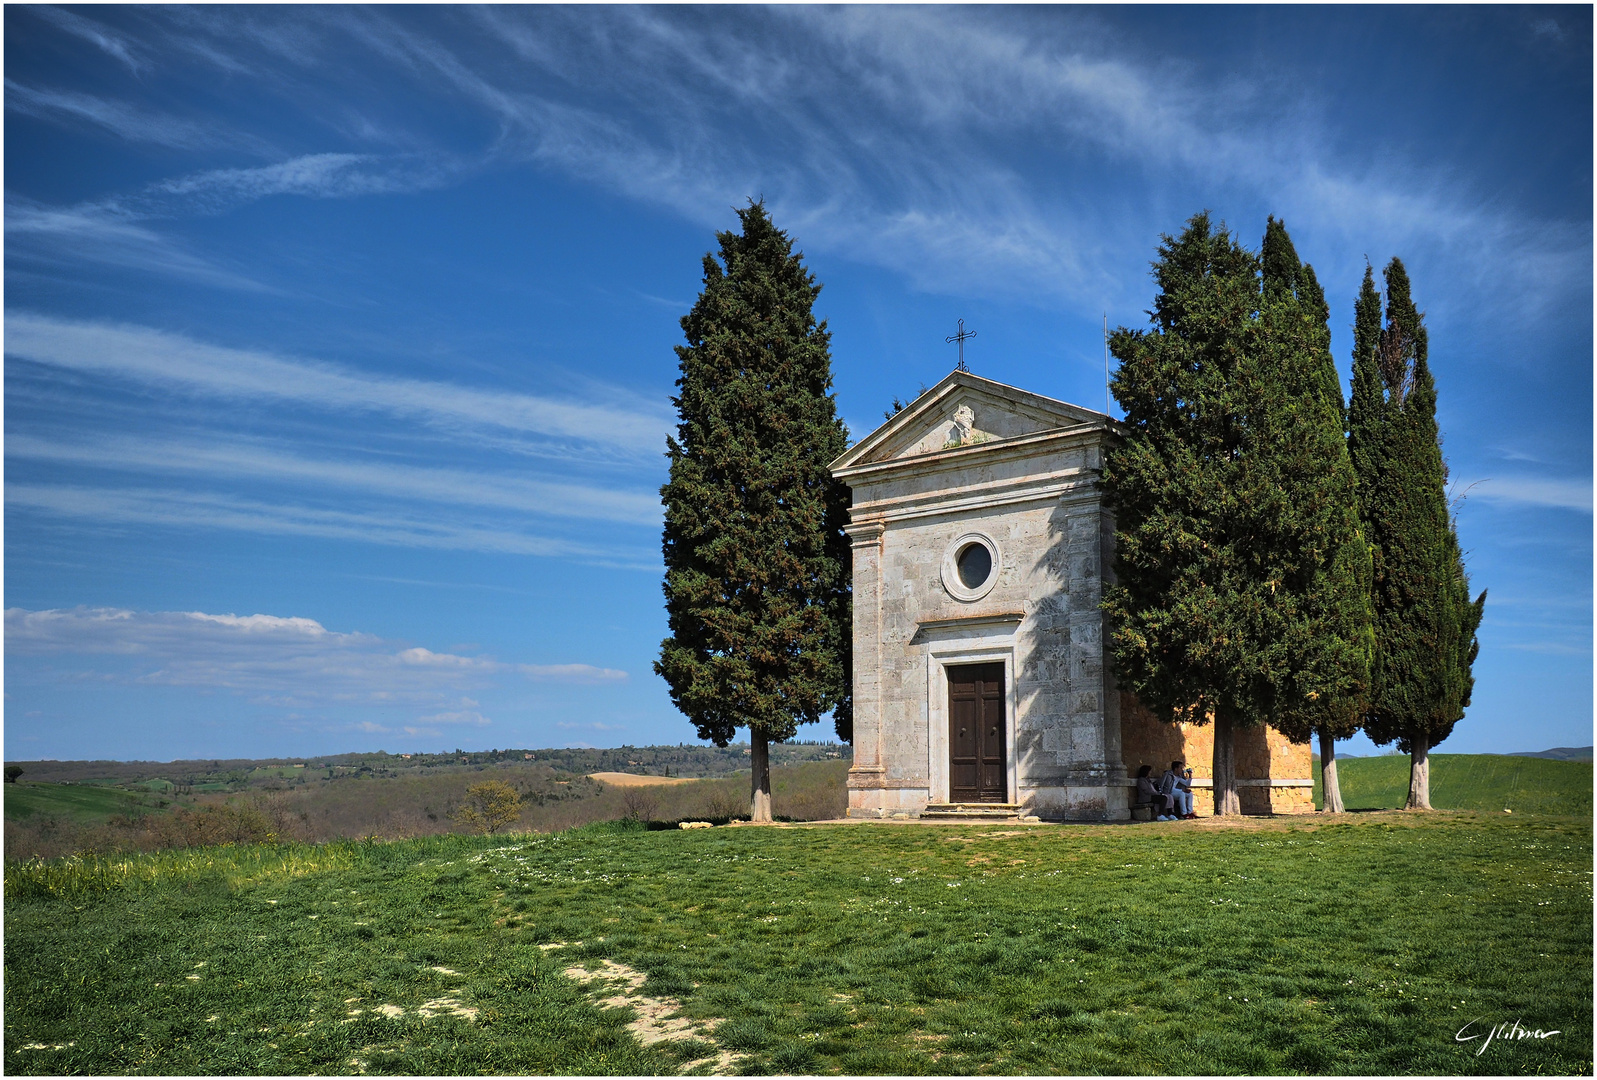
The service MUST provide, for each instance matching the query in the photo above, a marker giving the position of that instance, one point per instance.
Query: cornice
(1081, 486)
(970, 622)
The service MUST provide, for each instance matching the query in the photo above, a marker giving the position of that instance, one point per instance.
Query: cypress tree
(1238, 598)
(757, 566)
(1425, 622)
(1328, 611)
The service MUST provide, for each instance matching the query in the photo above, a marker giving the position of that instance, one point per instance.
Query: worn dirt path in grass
(626, 779)
(656, 1018)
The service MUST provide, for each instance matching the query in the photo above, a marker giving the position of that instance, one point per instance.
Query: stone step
(974, 811)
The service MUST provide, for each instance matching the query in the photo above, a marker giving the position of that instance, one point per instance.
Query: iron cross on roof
(960, 337)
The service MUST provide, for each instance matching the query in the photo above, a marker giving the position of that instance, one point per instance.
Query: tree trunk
(1419, 776)
(760, 782)
(1330, 788)
(1226, 802)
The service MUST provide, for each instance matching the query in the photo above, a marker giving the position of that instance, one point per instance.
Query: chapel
(982, 686)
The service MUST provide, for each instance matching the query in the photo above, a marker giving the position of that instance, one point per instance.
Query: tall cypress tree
(1328, 612)
(757, 566)
(1425, 622)
(1232, 575)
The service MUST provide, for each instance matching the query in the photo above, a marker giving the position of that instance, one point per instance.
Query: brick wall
(1262, 753)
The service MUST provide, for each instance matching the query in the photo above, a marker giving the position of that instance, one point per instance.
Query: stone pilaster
(867, 778)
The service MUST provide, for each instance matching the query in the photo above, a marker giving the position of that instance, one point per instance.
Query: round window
(975, 563)
(970, 566)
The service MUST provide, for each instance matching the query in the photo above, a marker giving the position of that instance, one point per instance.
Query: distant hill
(1558, 753)
(1489, 782)
(241, 774)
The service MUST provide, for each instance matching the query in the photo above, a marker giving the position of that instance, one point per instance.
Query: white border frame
(951, 582)
(940, 655)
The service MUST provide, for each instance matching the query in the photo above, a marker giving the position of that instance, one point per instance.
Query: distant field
(1488, 782)
(621, 779)
(79, 802)
(1270, 946)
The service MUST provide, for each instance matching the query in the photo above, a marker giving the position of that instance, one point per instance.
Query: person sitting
(1148, 795)
(1177, 784)
(1184, 784)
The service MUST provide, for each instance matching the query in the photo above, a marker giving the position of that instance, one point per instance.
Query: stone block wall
(1065, 757)
(974, 456)
(1262, 753)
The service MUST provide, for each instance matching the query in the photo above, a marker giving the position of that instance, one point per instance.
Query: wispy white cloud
(1562, 494)
(887, 135)
(68, 236)
(319, 176)
(127, 121)
(98, 34)
(591, 725)
(458, 716)
(232, 39)
(571, 673)
(120, 630)
(232, 458)
(877, 132)
(625, 427)
(285, 661)
(183, 508)
(948, 219)
(118, 230)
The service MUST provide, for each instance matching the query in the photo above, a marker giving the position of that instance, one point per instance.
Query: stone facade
(973, 464)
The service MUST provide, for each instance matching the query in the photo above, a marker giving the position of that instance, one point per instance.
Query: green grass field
(79, 802)
(1486, 782)
(1283, 946)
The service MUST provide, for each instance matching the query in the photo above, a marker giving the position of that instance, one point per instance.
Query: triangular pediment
(963, 410)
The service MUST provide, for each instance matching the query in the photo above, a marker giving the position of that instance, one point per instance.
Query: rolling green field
(1361, 945)
(74, 801)
(1485, 782)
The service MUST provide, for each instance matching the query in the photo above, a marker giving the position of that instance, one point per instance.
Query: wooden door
(976, 770)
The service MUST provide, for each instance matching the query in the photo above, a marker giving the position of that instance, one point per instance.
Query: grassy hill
(74, 801)
(1487, 782)
(1266, 947)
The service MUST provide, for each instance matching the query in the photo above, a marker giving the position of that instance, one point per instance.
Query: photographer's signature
(1512, 1031)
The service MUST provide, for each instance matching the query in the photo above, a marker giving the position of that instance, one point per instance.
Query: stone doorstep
(977, 811)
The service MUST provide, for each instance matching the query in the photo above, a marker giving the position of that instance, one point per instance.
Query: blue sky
(339, 340)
